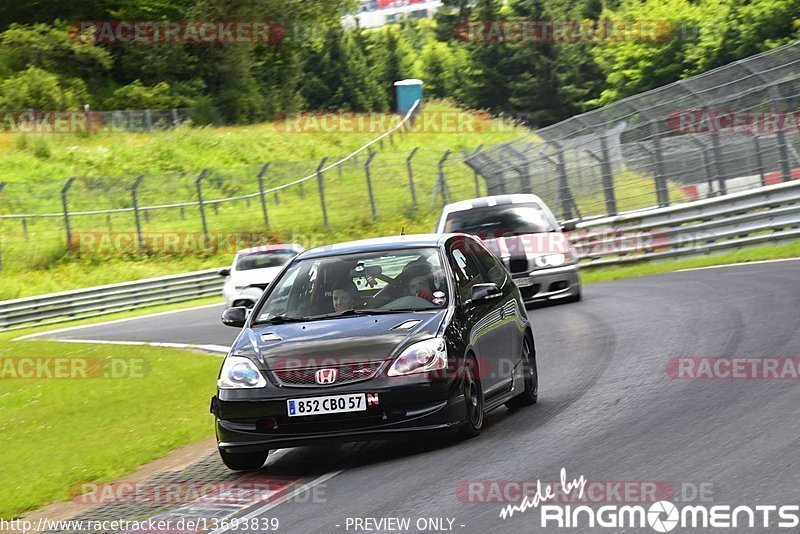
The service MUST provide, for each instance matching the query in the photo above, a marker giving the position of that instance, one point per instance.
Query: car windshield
(496, 221)
(262, 260)
(388, 281)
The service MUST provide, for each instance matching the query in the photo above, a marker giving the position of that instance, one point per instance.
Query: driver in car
(420, 286)
(344, 298)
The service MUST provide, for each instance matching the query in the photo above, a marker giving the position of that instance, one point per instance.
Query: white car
(253, 269)
(525, 235)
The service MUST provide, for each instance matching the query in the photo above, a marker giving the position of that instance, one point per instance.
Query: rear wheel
(473, 400)
(531, 373)
(243, 461)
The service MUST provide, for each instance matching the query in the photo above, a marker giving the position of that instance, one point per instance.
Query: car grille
(346, 374)
(518, 265)
(530, 291)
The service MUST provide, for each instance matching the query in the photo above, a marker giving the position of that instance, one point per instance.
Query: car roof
(378, 244)
(496, 200)
(273, 247)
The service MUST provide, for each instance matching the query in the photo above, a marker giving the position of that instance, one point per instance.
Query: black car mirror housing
(235, 317)
(482, 293)
(225, 272)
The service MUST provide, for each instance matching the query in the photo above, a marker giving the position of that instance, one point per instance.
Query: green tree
(39, 89)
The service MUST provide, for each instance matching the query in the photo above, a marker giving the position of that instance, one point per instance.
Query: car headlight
(556, 260)
(551, 260)
(239, 372)
(428, 355)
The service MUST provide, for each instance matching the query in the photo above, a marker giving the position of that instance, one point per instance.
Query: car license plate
(355, 402)
(524, 282)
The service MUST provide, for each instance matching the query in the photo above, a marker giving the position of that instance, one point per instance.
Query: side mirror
(483, 292)
(234, 317)
(225, 272)
(569, 226)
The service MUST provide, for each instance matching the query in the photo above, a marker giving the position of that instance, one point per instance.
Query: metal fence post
(411, 176)
(759, 159)
(564, 193)
(148, 120)
(608, 177)
(134, 197)
(175, 119)
(706, 163)
(475, 172)
(198, 184)
(261, 174)
(64, 191)
(441, 182)
(321, 187)
(662, 191)
(369, 184)
(783, 149)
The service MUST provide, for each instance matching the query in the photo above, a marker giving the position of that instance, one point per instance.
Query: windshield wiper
(280, 319)
(353, 313)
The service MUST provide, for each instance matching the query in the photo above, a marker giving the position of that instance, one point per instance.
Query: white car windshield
(497, 221)
(376, 282)
(263, 260)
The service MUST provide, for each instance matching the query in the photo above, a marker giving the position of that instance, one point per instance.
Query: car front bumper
(549, 284)
(245, 418)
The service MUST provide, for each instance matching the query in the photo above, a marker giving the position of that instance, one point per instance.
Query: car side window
(491, 265)
(466, 270)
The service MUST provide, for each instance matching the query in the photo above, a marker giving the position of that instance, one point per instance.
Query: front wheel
(473, 400)
(243, 461)
(531, 393)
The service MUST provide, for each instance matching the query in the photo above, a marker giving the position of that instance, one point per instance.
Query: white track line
(267, 507)
(207, 348)
(736, 264)
(115, 321)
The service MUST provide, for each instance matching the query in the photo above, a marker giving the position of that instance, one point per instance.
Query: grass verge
(58, 433)
(760, 253)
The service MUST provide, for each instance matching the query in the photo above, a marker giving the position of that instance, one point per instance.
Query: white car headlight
(428, 355)
(239, 372)
(551, 260)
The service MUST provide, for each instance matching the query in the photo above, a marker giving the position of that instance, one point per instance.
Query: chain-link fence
(221, 209)
(730, 129)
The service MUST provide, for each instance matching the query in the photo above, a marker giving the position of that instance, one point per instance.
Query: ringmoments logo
(660, 516)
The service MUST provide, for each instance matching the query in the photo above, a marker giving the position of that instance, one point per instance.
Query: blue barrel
(408, 92)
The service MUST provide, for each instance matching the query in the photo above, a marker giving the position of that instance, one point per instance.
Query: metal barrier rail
(758, 216)
(94, 301)
(764, 215)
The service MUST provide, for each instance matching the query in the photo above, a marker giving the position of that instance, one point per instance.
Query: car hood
(528, 245)
(255, 276)
(335, 341)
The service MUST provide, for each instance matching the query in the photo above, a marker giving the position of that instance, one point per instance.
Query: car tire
(473, 400)
(243, 461)
(531, 393)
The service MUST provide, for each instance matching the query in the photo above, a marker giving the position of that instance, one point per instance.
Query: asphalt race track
(608, 409)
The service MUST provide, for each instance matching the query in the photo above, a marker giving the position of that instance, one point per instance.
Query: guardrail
(758, 216)
(94, 301)
(764, 215)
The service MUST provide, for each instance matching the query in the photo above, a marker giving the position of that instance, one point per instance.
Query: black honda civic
(371, 340)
